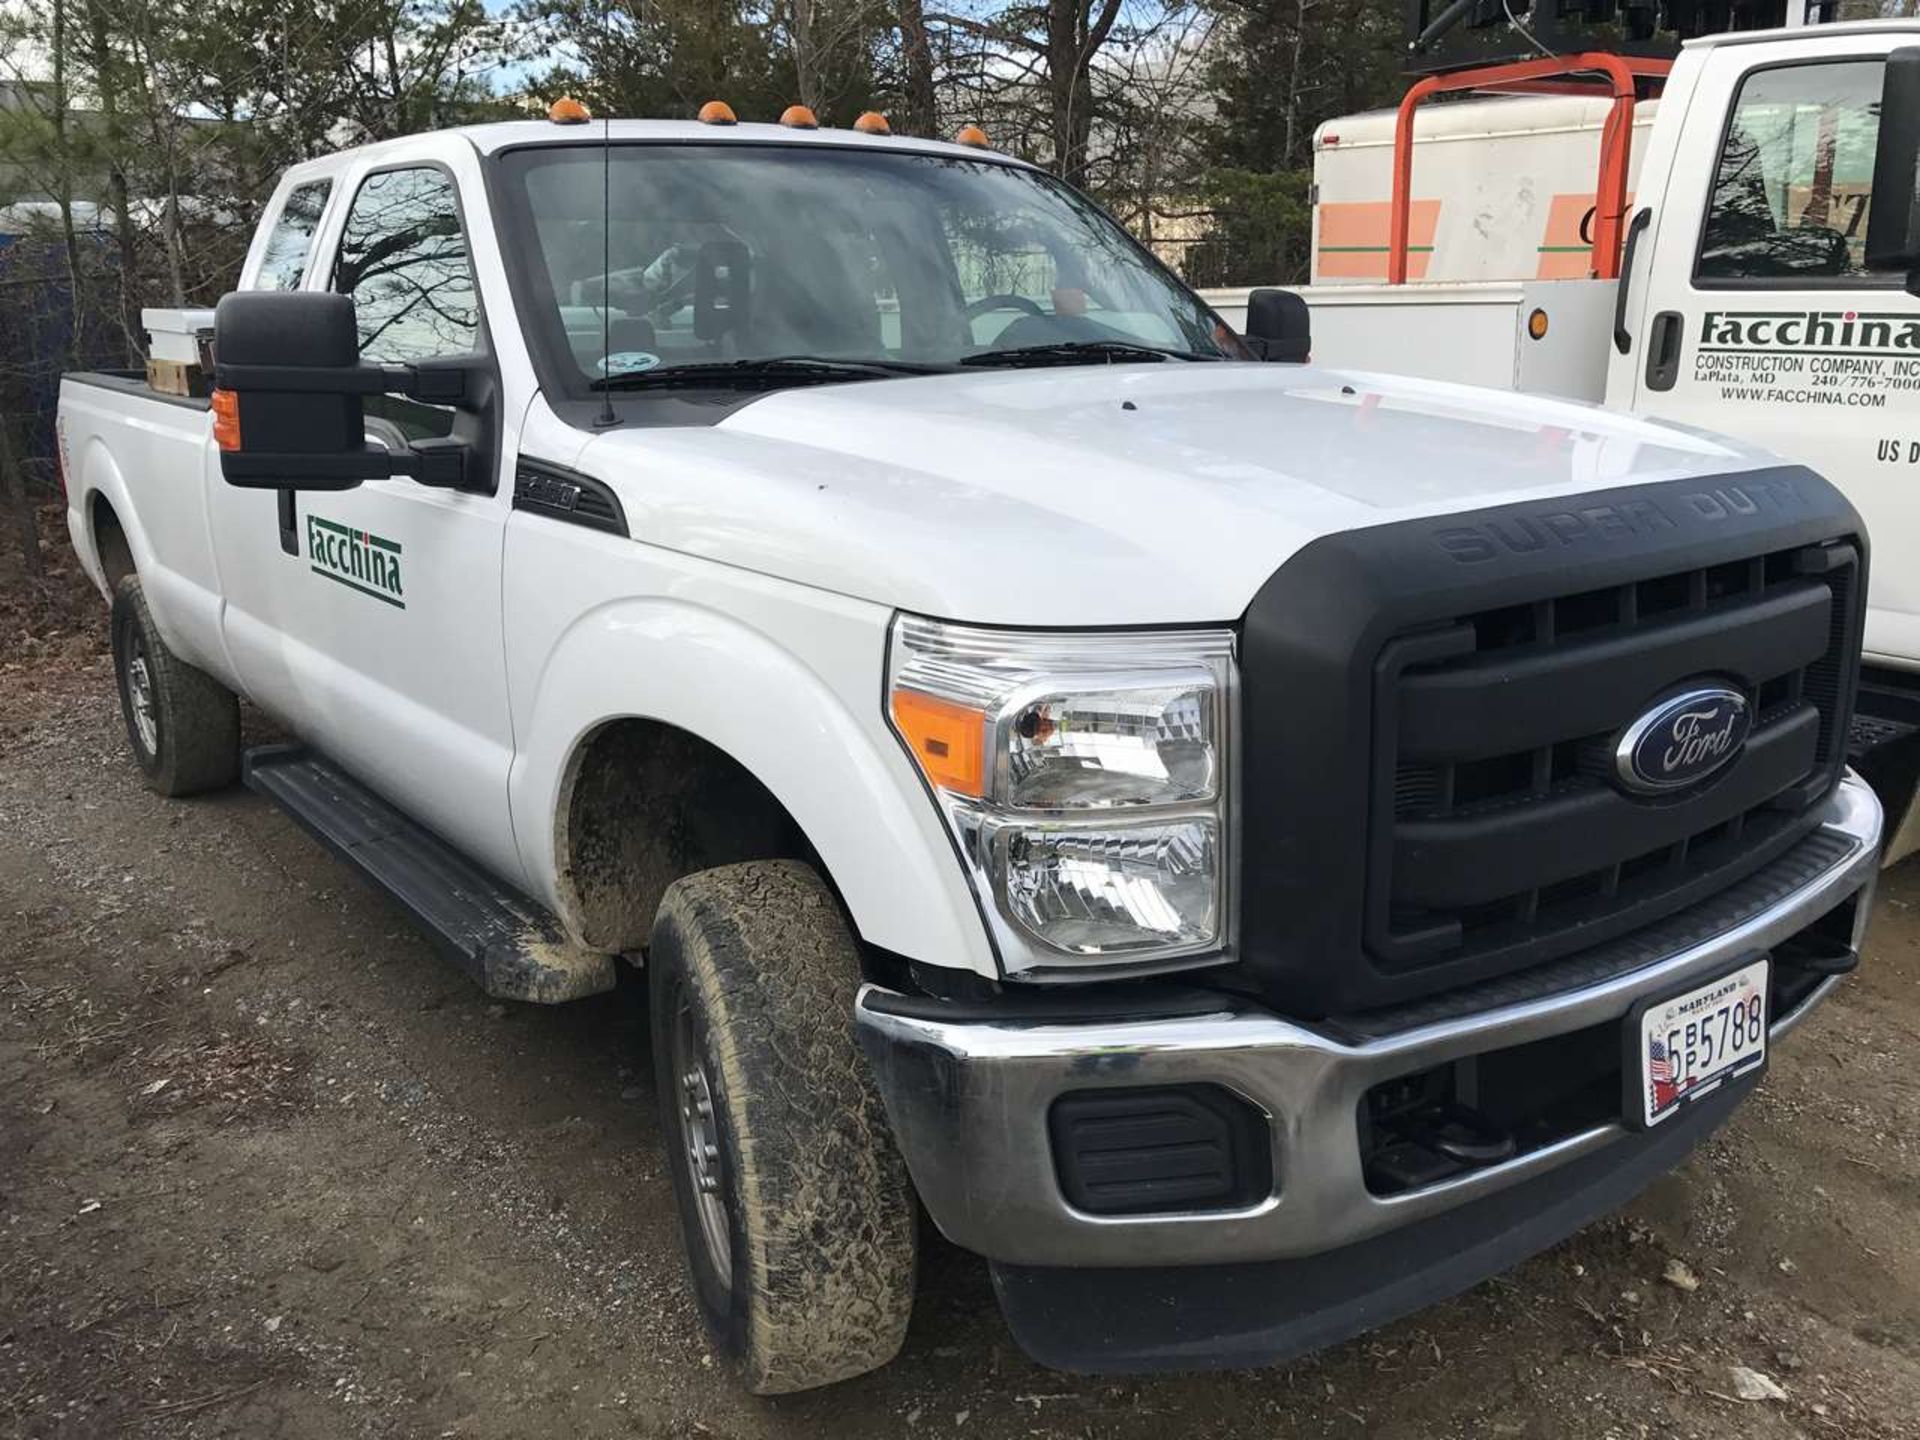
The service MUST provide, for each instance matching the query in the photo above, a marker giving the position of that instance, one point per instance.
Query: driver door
(379, 636)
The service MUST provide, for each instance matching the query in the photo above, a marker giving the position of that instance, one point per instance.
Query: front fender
(800, 710)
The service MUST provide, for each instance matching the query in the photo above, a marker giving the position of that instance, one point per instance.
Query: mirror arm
(272, 468)
(445, 464)
(436, 384)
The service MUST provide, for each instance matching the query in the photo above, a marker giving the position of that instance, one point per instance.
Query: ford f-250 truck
(1253, 848)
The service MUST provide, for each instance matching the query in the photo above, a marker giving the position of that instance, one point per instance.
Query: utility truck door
(1761, 319)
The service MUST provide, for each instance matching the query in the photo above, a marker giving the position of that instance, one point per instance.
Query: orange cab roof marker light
(799, 117)
(972, 135)
(568, 111)
(873, 123)
(226, 419)
(717, 112)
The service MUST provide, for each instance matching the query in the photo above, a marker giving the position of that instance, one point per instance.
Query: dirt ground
(269, 1168)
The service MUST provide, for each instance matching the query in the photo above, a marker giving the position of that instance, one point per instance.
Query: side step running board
(514, 948)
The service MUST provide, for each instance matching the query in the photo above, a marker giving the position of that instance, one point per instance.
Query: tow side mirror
(1893, 222)
(1279, 326)
(288, 385)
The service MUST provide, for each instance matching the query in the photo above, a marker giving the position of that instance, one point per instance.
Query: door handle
(1663, 350)
(1622, 338)
(289, 524)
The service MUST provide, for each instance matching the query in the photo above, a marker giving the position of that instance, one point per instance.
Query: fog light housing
(1164, 1149)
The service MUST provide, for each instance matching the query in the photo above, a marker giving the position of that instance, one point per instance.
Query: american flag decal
(1660, 1075)
(1658, 1066)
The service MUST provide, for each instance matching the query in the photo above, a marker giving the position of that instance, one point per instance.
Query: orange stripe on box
(1353, 239)
(1566, 250)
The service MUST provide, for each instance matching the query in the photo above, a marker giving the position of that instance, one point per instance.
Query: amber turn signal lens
(226, 419)
(1537, 324)
(873, 123)
(949, 741)
(568, 111)
(972, 135)
(799, 117)
(716, 112)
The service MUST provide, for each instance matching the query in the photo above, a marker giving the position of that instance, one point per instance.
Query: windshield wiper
(1081, 352)
(754, 374)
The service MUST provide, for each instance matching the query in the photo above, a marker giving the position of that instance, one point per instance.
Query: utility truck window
(1795, 177)
(748, 253)
(290, 242)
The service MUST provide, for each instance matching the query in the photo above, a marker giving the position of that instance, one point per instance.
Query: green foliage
(1283, 66)
(1280, 68)
(646, 58)
(1262, 221)
(664, 58)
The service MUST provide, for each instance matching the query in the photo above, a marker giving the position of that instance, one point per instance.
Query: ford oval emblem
(1682, 740)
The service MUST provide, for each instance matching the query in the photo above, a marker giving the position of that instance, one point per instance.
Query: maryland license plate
(1692, 1043)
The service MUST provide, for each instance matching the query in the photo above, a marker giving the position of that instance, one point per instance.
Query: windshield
(735, 252)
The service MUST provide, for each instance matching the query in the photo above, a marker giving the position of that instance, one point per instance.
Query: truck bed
(132, 382)
(136, 464)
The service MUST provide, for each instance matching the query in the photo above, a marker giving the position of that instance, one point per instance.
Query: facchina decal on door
(356, 559)
(1809, 357)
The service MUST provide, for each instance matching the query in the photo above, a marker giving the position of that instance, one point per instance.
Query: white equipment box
(176, 334)
(1477, 334)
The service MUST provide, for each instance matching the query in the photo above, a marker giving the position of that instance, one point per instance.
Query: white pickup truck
(1253, 848)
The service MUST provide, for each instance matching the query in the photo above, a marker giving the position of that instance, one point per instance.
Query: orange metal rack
(1592, 72)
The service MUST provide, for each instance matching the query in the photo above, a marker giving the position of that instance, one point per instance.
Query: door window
(1795, 177)
(290, 242)
(403, 259)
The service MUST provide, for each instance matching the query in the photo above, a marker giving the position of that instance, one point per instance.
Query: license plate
(1692, 1043)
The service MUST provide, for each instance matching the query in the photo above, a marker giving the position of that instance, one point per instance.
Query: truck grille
(1504, 837)
(1430, 711)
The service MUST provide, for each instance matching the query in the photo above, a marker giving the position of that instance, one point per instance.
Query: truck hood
(1108, 495)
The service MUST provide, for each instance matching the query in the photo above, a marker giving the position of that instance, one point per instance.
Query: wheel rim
(146, 727)
(700, 1139)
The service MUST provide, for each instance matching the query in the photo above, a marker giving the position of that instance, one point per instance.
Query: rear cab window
(289, 247)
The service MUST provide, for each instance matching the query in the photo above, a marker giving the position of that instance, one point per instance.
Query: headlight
(1085, 778)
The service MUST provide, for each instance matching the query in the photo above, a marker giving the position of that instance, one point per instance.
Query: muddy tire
(183, 726)
(795, 1208)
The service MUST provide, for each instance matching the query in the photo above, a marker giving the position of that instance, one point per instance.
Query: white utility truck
(1253, 848)
(1750, 299)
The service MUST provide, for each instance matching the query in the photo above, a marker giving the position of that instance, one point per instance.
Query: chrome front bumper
(969, 1097)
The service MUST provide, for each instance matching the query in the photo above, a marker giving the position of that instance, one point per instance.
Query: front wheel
(795, 1208)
